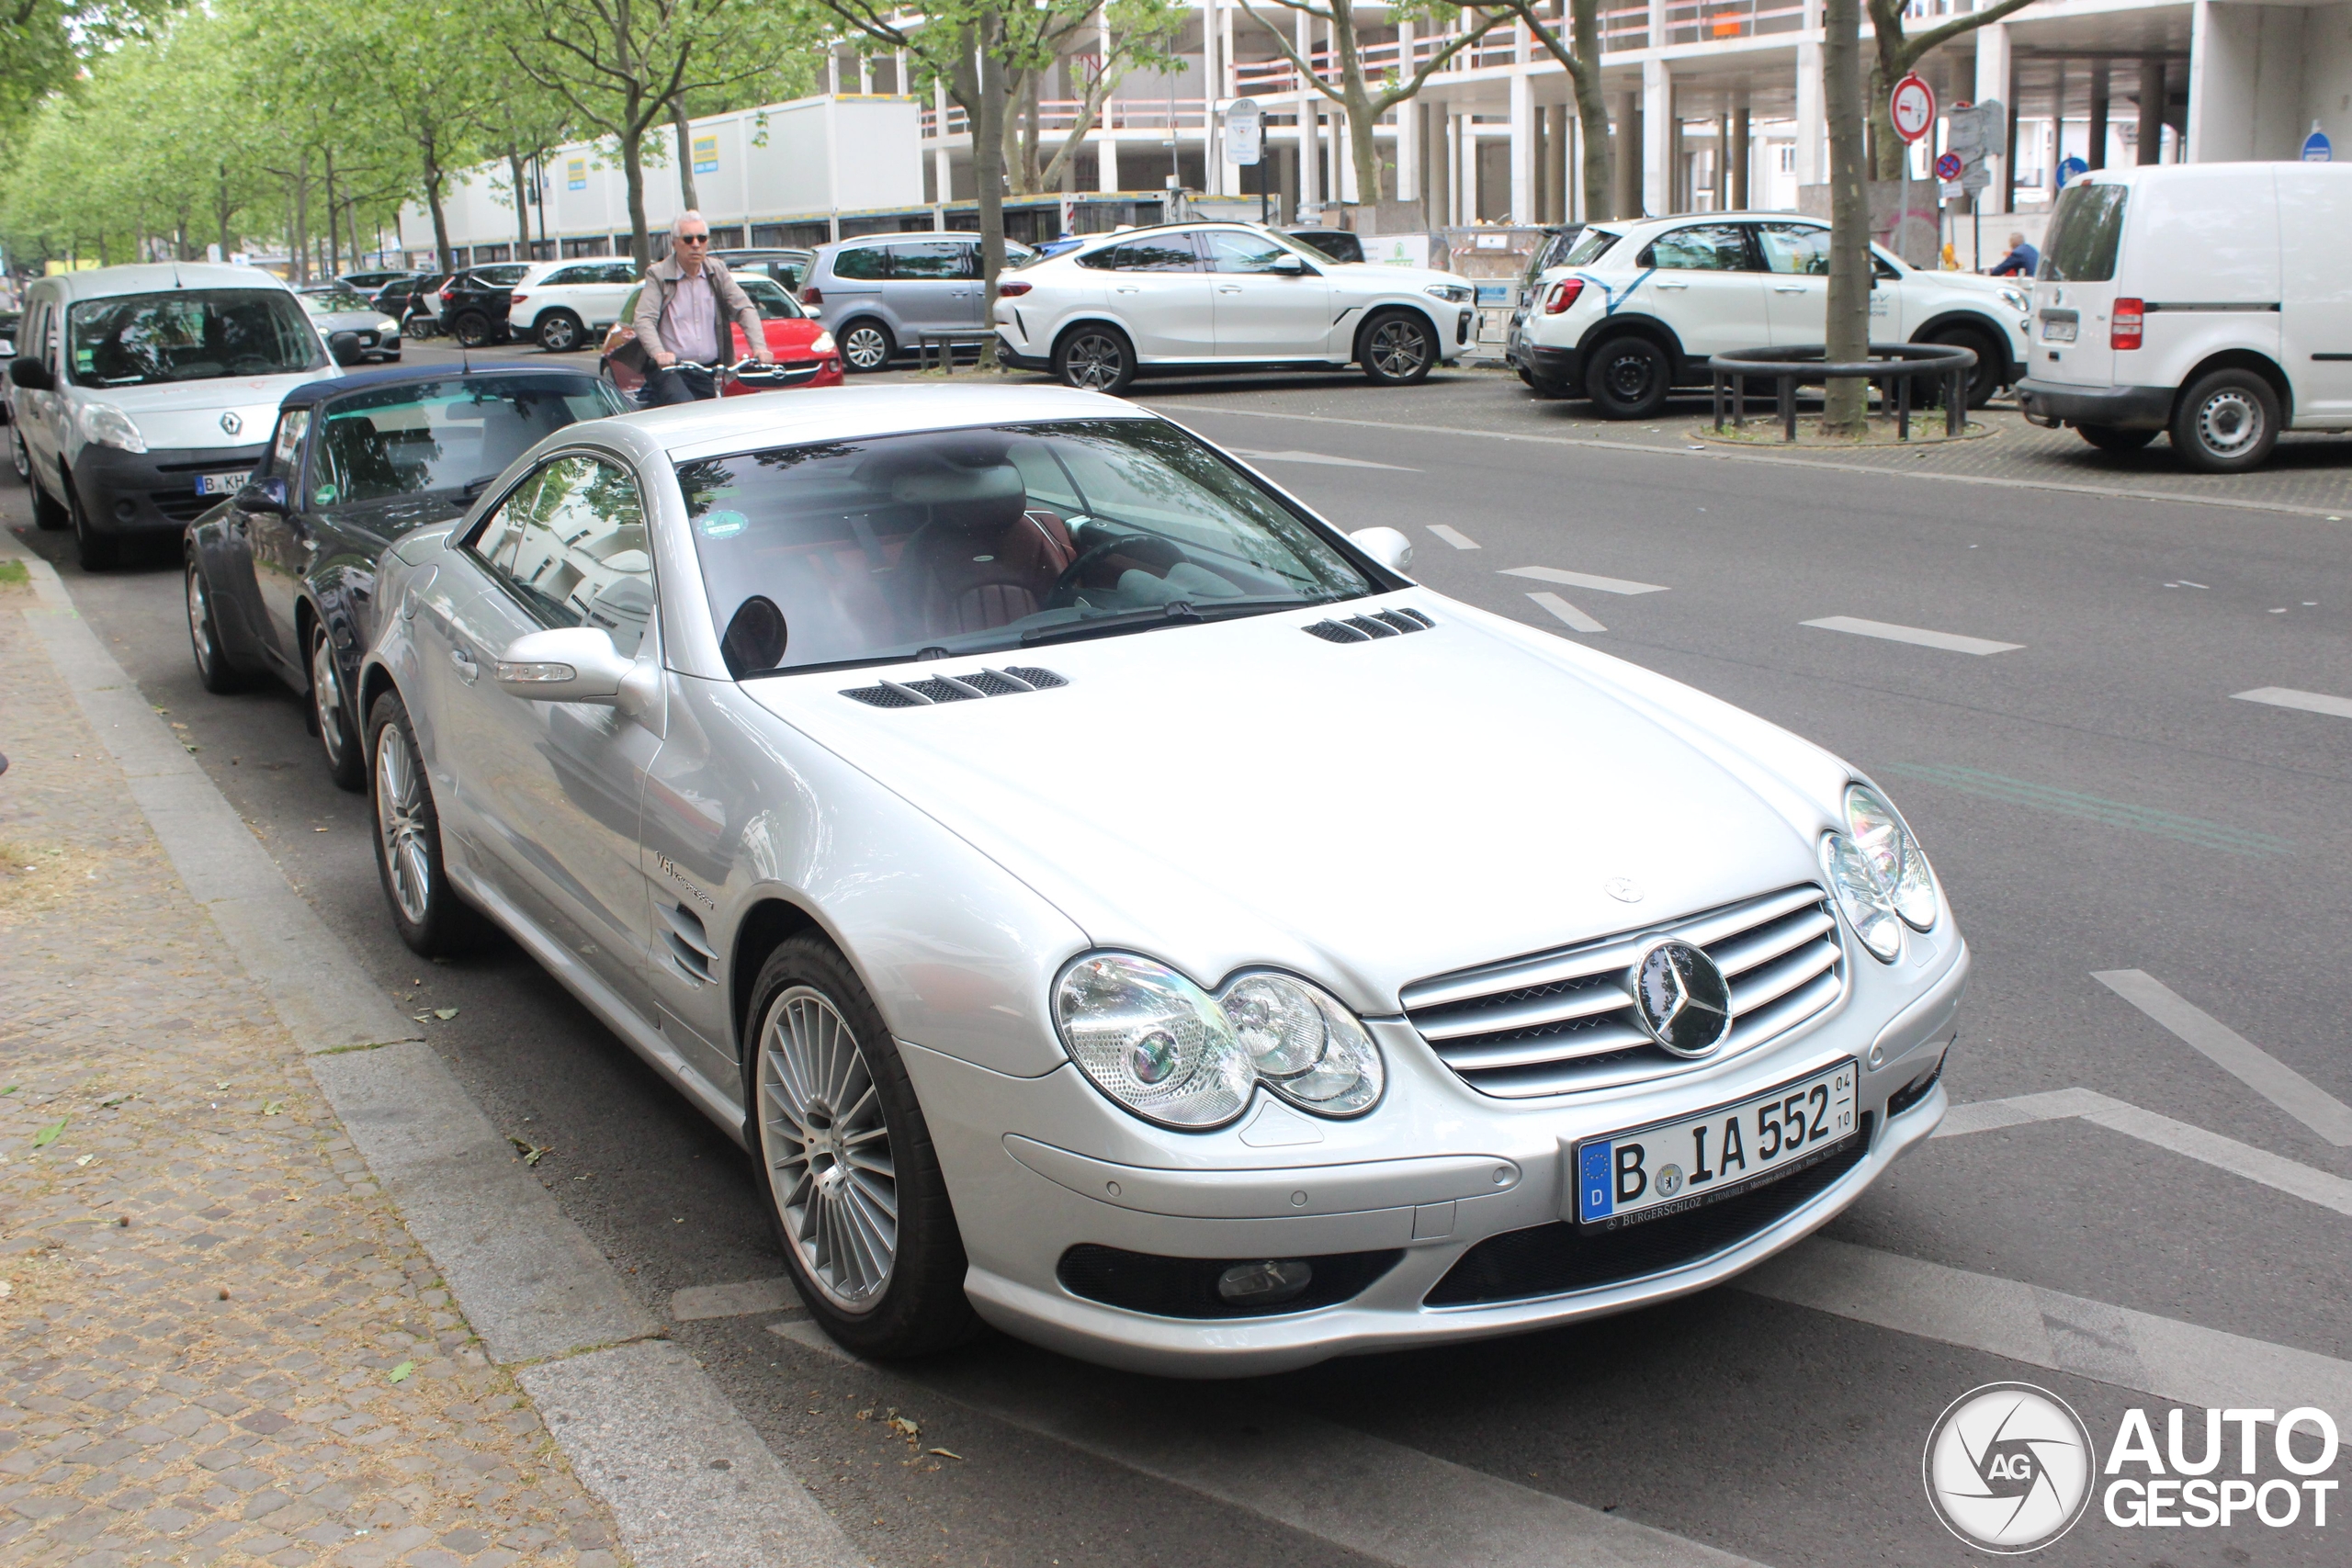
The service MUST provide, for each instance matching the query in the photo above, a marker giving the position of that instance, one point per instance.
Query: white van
(143, 394)
(2212, 301)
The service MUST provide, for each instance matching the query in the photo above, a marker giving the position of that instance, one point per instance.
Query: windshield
(334, 302)
(774, 304)
(443, 436)
(2085, 232)
(498, 276)
(190, 334)
(973, 541)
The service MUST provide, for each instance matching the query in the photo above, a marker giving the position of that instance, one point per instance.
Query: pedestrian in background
(2022, 260)
(682, 314)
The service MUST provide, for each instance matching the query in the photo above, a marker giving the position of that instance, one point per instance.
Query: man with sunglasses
(681, 318)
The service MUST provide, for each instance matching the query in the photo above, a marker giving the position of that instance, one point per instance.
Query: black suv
(474, 304)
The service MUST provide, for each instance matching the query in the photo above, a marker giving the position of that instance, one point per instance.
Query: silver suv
(876, 294)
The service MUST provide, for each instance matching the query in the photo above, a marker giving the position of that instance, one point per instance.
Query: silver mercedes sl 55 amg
(1112, 903)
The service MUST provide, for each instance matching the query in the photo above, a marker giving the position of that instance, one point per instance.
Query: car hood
(189, 413)
(1369, 814)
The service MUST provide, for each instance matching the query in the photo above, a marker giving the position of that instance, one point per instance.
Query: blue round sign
(2068, 168)
(2316, 149)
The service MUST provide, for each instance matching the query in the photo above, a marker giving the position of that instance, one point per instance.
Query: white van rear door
(2076, 286)
(2315, 289)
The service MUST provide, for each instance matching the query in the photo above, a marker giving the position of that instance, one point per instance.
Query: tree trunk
(434, 180)
(684, 131)
(301, 234)
(1845, 405)
(987, 164)
(332, 243)
(1887, 149)
(222, 210)
(1372, 180)
(640, 246)
(522, 204)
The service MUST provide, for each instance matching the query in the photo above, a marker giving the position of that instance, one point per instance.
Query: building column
(1574, 198)
(1408, 127)
(2152, 90)
(1522, 149)
(1741, 154)
(2095, 148)
(1627, 198)
(1812, 119)
(1658, 171)
(1993, 85)
(866, 73)
(942, 171)
(1106, 161)
(1212, 165)
(1442, 167)
(1547, 152)
(1473, 202)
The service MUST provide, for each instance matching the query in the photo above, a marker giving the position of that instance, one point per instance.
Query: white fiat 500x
(1209, 296)
(1112, 903)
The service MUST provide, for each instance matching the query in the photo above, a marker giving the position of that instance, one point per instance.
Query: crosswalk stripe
(2288, 697)
(1584, 580)
(1393, 1504)
(1560, 610)
(2157, 1356)
(2235, 1055)
(1887, 631)
(1452, 536)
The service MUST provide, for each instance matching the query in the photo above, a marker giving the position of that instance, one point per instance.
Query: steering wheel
(1063, 593)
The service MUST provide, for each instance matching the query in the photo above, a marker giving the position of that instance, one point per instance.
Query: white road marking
(1322, 458)
(698, 1301)
(2235, 1053)
(1562, 610)
(1455, 536)
(2271, 1171)
(1584, 580)
(1950, 642)
(2159, 1356)
(2309, 701)
(1399, 1505)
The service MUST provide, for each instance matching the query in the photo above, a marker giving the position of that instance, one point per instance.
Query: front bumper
(2053, 404)
(152, 491)
(1450, 1169)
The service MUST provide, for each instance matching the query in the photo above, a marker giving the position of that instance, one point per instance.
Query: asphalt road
(2096, 798)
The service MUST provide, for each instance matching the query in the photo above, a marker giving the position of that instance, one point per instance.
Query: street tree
(1579, 55)
(1362, 95)
(46, 44)
(1132, 35)
(1899, 54)
(1845, 409)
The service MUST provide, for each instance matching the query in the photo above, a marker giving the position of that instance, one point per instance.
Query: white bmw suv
(1637, 309)
(1224, 296)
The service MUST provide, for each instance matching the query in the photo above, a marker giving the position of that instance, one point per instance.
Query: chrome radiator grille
(1562, 1022)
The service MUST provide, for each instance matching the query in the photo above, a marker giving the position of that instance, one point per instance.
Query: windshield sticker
(323, 496)
(724, 524)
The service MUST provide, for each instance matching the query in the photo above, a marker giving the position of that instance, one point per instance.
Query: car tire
(330, 718)
(1093, 357)
(214, 671)
(471, 328)
(432, 920)
(2110, 438)
(1990, 373)
(1397, 349)
(1628, 377)
(866, 346)
(560, 331)
(849, 1165)
(20, 461)
(2226, 422)
(99, 552)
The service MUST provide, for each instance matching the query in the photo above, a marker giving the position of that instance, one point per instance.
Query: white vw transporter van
(2210, 301)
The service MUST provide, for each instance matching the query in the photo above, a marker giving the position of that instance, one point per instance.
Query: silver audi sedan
(1110, 902)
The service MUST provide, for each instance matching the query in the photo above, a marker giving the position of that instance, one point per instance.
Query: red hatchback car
(803, 348)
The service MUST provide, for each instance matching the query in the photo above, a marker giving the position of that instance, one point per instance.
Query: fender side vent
(688, 943)
(933, 690)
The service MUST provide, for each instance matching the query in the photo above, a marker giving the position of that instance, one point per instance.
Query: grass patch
(15, 574)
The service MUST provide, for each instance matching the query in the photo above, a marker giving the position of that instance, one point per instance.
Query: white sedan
(1110, 902)
(1196, 297)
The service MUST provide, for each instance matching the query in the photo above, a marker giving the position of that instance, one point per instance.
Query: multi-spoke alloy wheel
(1095, 359)
(212, 670)
(1399, 351)
(866, 346)
(344, 759)
(828, 1149)
(402, 819)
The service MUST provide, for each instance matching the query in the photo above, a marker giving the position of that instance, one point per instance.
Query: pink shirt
(690, 326)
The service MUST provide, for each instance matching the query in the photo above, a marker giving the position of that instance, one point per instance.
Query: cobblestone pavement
(218, 1343)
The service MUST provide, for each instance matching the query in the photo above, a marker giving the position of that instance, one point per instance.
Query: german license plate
(2055, 330)
(221, 484)
(1674, 1166)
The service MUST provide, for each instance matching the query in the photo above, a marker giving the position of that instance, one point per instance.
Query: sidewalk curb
(527, 1278)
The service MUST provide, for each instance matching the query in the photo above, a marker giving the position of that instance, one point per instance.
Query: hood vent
(936, 689)
(1363, 628)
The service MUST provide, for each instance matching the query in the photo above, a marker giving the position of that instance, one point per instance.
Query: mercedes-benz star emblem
(1624, 889)
(1682, 998)
(232, 424)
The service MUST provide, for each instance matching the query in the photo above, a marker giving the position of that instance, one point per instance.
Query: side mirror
(264, 495)
(565, 664)
(1386, 546)
(345, 347)
(1288, 265)
(27, 371)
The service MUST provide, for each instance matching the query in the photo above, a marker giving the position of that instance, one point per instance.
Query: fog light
(1266, 1283)
(126, 510)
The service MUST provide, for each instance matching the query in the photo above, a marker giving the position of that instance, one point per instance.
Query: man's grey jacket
(661, 289)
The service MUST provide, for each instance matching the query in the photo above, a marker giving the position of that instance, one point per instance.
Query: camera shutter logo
(2008, 1468)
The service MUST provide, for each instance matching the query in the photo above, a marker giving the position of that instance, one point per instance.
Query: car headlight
(823, 343)
(110, 426)
(2017, 301)
(1878, 872)
(1452, 293)
(388, 328)
(1165, 1049)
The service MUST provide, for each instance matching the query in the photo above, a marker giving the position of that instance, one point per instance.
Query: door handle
(1791, 288)
(1127, 288)
(1228, 289)
(1674, 286)
(467, 668)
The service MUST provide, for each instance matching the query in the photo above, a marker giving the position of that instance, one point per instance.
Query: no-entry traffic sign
(1912, 107)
